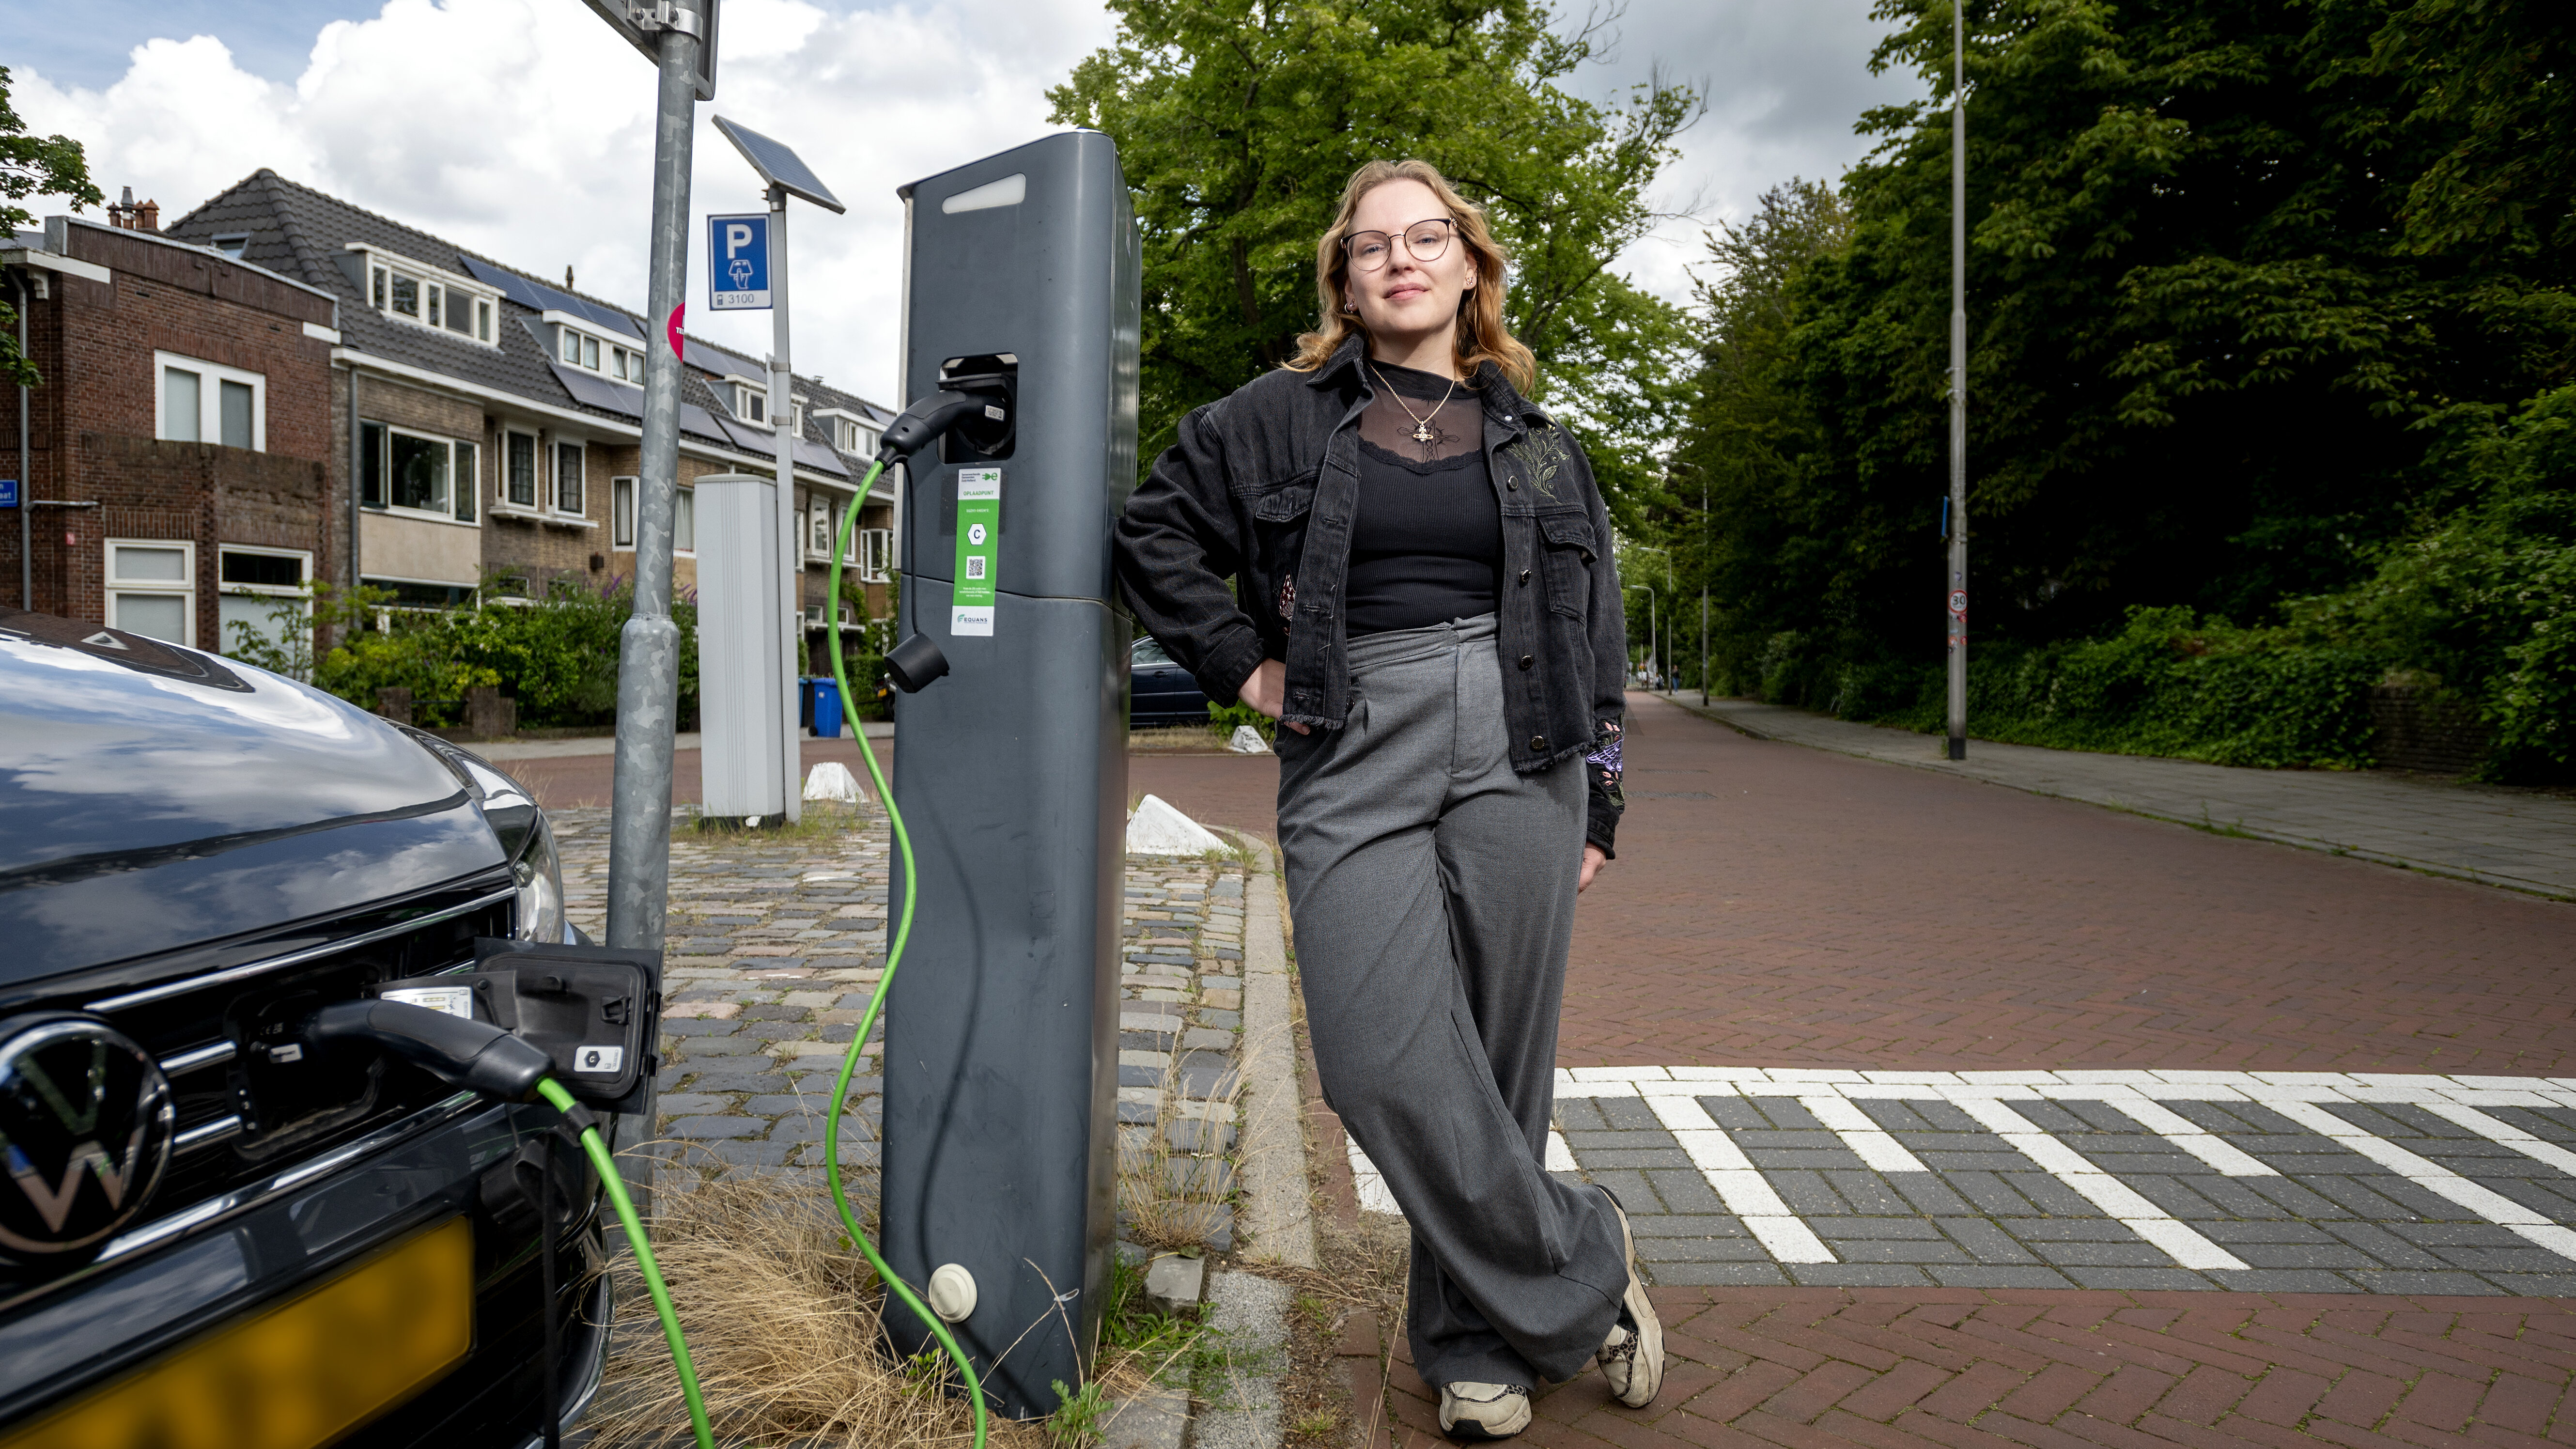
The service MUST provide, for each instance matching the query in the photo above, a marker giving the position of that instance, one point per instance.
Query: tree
(2209, 367)
(1238, 121)
(32, 166)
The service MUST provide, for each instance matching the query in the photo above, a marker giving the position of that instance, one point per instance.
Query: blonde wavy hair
(1482, 336)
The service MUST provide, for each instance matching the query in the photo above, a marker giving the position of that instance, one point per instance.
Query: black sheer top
(1427, 546)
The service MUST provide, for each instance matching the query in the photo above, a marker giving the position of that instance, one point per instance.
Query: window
(621, 522)
(205, 402)
(796, 417)
(431, 299)
(850, 437)
(750, 403)
(233, 244)
(521, 484)
(255, 581)
(469, 481)
(580, 349)
(152, 588)
(820, 545)
(626, 365)
(568, 477)
(416, 472)
(876, 554)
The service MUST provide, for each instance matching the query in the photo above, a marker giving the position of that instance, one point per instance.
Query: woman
(1428, 605)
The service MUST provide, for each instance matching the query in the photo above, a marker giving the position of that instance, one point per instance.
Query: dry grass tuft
(782, 1321)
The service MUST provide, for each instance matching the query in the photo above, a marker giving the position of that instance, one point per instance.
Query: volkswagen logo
(85, 1128)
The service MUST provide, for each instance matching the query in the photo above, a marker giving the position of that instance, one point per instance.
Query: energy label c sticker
(979, 550)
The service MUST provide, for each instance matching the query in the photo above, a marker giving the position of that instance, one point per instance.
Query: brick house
(493, 421)
(177, 472)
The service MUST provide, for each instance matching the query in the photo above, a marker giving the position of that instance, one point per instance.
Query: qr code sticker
(975, 566)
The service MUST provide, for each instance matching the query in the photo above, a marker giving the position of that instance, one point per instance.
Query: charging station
(1022, 288)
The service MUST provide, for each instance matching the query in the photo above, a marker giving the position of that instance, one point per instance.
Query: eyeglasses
(1426, 240)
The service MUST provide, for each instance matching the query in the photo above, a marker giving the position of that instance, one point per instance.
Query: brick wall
(95, 421)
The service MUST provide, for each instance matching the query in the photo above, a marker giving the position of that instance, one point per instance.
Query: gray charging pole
(785, 174)
(1001, 1046)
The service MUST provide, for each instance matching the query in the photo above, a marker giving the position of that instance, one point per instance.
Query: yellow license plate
(297, 1375)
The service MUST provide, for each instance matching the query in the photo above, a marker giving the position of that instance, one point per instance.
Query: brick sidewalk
(1953, 1367)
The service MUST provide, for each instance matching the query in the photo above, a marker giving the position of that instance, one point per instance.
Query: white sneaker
(1632, 1357)
(1483, 1411)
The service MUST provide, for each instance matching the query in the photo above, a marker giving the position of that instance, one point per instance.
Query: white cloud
(522, 129)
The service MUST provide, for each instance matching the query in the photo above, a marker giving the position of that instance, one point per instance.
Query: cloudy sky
(521, 128)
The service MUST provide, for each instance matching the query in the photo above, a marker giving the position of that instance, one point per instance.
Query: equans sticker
(598, 1061)
(456, 1001)
(979, 551)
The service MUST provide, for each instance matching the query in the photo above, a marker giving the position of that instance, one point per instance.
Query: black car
(1161, 692)
(204, 1221)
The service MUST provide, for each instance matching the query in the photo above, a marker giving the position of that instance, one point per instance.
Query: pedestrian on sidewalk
(1428, 605)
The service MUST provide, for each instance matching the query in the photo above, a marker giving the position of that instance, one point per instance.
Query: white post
(792, 523)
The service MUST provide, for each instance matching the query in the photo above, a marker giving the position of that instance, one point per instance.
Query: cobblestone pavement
(774, 946)
(2520, 839)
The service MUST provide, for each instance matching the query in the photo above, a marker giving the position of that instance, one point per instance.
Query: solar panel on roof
(537, 296)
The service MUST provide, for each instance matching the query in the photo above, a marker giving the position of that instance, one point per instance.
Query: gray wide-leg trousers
(1433, 894)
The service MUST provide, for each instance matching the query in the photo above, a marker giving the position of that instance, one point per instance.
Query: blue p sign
(738, 262)
(8, 492)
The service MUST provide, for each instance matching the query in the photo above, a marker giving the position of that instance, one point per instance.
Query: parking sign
(738, 263)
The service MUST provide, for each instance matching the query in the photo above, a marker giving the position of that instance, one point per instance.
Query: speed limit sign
(1958, 601)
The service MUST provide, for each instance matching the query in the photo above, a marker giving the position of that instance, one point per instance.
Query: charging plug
(475, 1055)
(922, 423)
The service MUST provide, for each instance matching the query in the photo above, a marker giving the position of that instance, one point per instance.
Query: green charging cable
(606, 1167)
(876, 1002)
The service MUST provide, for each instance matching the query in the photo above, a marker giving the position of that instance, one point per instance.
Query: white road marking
(1560, 1158)
(2193, 1138)
(1873, 1144)
(2115, 1198)
(2432, 1176)
(1737, 1182)
(1370, 1183)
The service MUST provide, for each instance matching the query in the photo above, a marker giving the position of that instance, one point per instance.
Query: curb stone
(1274, 1149)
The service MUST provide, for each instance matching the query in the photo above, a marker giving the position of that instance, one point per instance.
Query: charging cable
(894, 956)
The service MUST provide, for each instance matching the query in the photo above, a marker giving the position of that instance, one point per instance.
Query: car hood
(153, 797)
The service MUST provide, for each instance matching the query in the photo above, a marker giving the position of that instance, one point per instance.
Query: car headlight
(541, 893)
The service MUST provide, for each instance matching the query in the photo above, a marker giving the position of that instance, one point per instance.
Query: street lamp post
(1665, 666)
(1956, 602)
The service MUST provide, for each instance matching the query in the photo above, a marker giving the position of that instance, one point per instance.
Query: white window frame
(225, 589)
(439, 291)
(210, 398)
(536, 500)
(796, 416)
(876, 554)
(459, 499)
(184, 587)
(850, 433)
(554, 478)
(622, 493)
(745, 393)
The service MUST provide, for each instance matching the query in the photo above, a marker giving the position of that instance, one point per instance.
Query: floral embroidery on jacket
(1541, 452)
(1604, 759)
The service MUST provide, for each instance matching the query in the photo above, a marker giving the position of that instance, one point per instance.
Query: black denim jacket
(1263, 486)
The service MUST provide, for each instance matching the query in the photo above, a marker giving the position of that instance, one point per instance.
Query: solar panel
(779, 165)
(538, 297)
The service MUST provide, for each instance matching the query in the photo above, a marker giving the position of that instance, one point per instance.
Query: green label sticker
(979, 550)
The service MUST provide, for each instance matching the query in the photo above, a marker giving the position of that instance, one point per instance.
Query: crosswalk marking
(2494, 1206)
(2193, 1138)
(1737, 1182)
(2115, 1198)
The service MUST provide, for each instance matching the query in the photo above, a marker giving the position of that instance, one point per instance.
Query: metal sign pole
(1956, 603)
(791, 565)
(648, 660)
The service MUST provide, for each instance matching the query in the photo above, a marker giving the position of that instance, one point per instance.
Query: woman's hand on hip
(1593, 860)
(1267, 691)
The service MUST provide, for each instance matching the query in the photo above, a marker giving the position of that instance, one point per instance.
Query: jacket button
(1525, 576)
(1538, 742)
(1512, 487)
(1527, 660)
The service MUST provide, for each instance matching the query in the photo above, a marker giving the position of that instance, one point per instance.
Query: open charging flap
(595, 1010)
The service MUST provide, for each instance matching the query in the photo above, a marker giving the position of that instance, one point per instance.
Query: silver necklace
(1422, 430)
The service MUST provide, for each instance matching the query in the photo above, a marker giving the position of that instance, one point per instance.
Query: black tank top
(1427, 546)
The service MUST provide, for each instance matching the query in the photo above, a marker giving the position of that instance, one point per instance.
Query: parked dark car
(205, 1222)
(1160, 691)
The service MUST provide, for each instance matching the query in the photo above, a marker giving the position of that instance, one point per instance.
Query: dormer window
(233, 244)
(847, 432)
(750, 402)
(796, 417)
(579, 350)
(430, 299)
